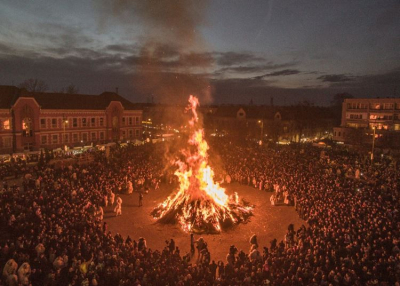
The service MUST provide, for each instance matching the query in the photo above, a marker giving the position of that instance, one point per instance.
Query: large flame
(200, 205)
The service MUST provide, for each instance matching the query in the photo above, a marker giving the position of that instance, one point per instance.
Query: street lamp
(65, 122)
(262, 130)
(373, 144)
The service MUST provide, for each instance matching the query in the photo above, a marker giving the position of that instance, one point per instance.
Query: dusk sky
(225, 51)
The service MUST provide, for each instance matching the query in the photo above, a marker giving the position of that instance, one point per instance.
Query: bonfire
(200, 205)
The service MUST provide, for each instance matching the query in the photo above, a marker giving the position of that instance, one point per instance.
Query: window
(53, 123)
(123, 120)
(380, 117)
(388, 105)
(356, 116)
(44, 139)
(43, 123)
(54, 138)
(74, 122)
(93, 136)
(375, 106)
(84, 137)
(130, 121)
(65, 138)
(27, 127)
(6, 124)
(75, 137)
(83, 122)
(123, 134)
(93, 122)
(137, 134)
(101, 121)
(101, 135)
(7, 142)
(130, 133)
(136, 120)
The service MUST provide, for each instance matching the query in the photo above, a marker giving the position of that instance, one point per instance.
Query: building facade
(362, 118)
(276, 124)
(31, 121)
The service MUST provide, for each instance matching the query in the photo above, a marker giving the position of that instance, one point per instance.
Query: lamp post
(65, 122)
(262, 130)
(373, 144)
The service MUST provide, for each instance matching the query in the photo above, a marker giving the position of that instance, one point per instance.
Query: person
(192, 250)
(272, 200)
(140, 199)
(200, 245)
(105, 200)
(118, 207)
(24, 273)
(171, 246)
(112, 198)
(253, 240)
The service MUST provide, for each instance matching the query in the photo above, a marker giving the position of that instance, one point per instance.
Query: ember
(200, 205)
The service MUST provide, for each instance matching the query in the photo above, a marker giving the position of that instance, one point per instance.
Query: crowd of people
(53, 233)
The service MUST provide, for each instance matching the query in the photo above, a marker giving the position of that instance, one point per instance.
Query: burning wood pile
(200, 205)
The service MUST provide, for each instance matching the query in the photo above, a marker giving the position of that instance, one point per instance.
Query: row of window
(64, 138)
(374, 116)
(46, 123)
(84, 137)
(130, 120)
(378, 126)
(377, 105)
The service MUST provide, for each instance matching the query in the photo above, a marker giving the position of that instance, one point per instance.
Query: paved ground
(268, 222)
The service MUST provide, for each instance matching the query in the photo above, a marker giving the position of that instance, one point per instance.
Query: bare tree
(34, 85)
(71, 89)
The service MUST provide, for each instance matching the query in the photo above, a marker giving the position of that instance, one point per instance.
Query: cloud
(232, 58)
(285, 72)
(335, 78)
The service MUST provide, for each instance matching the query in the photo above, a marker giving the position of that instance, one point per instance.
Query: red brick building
(30, 121)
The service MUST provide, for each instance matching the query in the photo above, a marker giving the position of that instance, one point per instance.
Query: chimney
(116, 90)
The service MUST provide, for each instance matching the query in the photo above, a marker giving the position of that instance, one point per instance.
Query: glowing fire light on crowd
(200, 205)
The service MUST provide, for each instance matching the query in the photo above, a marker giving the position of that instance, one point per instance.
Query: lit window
(6, 124)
